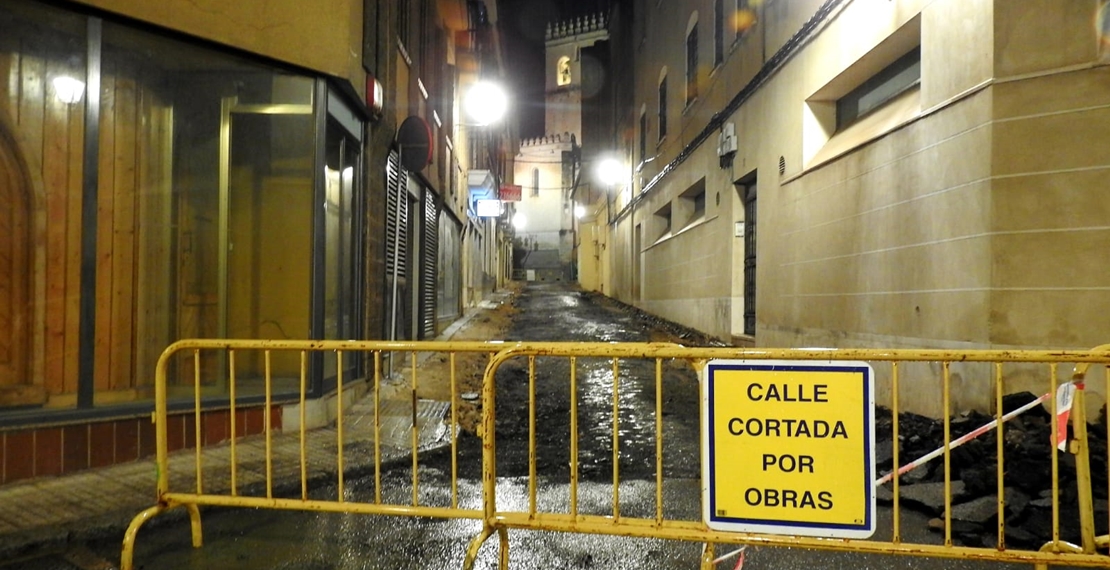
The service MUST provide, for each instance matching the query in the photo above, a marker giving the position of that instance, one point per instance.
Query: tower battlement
(576, 26)
(556, 138)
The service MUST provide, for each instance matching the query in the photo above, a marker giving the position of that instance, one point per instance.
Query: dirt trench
(561, 312)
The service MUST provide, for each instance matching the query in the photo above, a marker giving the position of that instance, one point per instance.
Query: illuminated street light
(610, 171)
(485, 102)
(519, 221)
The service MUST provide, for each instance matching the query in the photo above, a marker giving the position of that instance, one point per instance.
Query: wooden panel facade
(41, 189)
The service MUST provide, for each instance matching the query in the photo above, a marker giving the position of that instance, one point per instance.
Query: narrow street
(237, 538)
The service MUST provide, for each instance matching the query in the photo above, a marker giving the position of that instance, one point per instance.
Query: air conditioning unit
(726, 140)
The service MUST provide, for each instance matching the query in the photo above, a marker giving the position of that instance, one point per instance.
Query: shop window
(211, 219)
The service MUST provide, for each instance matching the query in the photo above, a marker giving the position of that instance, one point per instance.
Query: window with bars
(643, 135)
(743, 18)
(403, 21)
(718, 32)
(663, 108)
(692, 64)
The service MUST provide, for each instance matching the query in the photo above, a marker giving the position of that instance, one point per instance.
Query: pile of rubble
(1027, 450)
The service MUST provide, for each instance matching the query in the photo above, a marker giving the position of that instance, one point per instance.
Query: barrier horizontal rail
(1055, 551)
(229, 356)
(659, 525)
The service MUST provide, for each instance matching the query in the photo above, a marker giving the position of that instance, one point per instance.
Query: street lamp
(485, 103)
(610, 172)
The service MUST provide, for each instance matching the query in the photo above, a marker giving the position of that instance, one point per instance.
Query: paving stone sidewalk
(52, 513)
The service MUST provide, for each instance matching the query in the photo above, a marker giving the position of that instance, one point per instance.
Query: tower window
(562, 76)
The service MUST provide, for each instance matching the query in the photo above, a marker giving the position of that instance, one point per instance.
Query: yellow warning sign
(788, 447)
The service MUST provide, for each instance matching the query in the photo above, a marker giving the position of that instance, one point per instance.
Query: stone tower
(543, 168)
(564, 72)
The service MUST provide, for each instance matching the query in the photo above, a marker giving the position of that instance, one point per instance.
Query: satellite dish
(415, 139)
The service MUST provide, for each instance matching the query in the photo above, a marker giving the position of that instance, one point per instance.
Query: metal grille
(397, 215)
(749, 260)
(429, 256)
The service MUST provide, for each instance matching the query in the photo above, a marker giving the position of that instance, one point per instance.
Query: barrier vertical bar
(947, 380)
(897, 536)
(234, 460)
(1055, 462)
(454, 438)
(415, 437)
(616, 441)
(303, 415)
(658, 442)
(489, 456)
(1000, 440)
(339, 422)
(377, 428)
(266, 428)
(531, 436)
(574, 438)
(1082, 468)
(197, 419)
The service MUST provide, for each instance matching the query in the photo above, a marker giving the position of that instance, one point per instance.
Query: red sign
(510, 193)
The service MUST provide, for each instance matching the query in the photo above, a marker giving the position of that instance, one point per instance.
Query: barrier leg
(504, 535)
(707, 556)
(472, 549)
(194, 524)
(127, 555)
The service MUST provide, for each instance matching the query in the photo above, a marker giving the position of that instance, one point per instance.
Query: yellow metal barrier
(573, 518)
(226, 351)
(1055, 552)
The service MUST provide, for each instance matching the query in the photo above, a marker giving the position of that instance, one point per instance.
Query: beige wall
(1050, 212)
(325, 37)
(968, 213)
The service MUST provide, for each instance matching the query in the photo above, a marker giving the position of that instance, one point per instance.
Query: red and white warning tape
(978, 432)
(739, 561)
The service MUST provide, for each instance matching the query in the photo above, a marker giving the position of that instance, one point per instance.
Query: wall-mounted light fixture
(68, 90)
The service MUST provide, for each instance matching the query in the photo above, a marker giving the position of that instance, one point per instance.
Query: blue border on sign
(869, 477)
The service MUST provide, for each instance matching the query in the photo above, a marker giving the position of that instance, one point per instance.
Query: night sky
(523, 23)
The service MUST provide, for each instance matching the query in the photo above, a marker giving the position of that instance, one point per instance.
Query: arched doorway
(15, 276)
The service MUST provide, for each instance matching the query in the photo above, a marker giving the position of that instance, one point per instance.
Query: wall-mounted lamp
(68, 90)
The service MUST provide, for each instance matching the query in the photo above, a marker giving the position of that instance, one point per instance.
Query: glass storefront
(221, 189)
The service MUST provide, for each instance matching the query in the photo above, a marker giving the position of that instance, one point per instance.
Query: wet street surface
(237, 538)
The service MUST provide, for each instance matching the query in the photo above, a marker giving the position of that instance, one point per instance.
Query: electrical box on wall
(726, 140)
